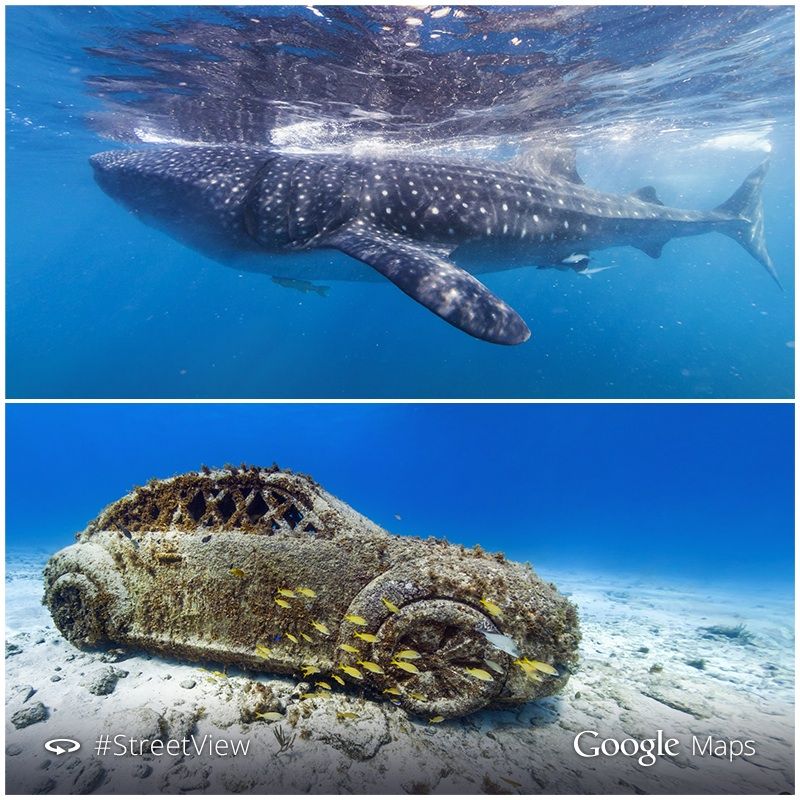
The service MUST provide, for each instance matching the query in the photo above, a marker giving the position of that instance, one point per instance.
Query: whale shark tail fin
(746, 209)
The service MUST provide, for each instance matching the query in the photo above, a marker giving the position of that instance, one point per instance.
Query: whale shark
(428, 226)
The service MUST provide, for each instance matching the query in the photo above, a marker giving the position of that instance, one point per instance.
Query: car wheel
(86, 596)
(446, 634)
(75, 604)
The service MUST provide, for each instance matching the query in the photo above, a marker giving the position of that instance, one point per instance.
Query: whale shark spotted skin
(424, 225)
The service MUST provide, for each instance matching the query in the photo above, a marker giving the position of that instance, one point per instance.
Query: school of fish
(402, 660)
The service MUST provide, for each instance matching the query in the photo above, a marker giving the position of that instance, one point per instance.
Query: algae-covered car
(265, 570)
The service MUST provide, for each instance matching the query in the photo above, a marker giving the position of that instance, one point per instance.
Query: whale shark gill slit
(433, 281)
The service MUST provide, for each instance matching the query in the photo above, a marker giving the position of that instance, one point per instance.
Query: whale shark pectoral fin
(433, 281)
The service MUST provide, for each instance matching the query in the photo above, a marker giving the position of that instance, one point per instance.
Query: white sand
(744, 691)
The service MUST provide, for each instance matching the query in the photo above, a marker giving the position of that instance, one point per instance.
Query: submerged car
(265, 570)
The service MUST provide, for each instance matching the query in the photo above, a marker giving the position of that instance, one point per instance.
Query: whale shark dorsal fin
(554, 160)
(424, 274)
(648, 195)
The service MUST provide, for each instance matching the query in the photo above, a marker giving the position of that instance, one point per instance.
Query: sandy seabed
(647, 664)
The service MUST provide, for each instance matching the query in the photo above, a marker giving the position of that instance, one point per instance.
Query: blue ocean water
(675, 492)
(688, 99)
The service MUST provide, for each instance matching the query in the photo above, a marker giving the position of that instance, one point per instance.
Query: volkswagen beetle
(265, 570)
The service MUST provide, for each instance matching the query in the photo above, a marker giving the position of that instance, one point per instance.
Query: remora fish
(306, 287)
(406, 219)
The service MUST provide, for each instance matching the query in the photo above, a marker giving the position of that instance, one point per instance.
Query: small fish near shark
(304, 287)
(579, 262)
(424, 225)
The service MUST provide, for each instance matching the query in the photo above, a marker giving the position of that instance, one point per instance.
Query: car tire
(86, 597)
(446, 634)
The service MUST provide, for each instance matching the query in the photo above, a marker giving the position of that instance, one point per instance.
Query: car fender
(86, 594)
